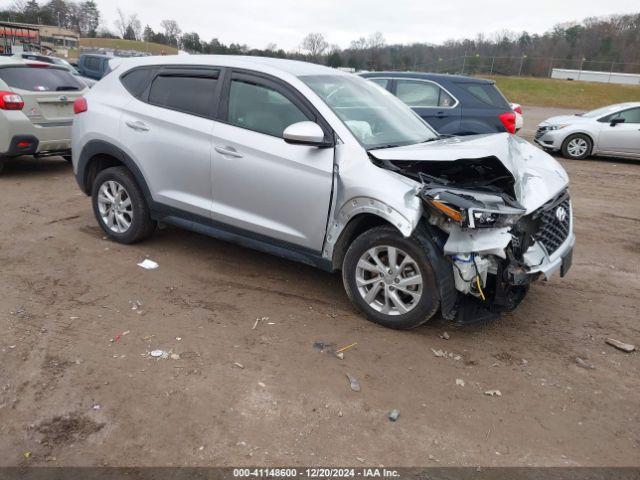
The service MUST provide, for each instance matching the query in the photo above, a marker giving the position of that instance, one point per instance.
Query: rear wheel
(576, 146)
(120, 207)
(391, 279)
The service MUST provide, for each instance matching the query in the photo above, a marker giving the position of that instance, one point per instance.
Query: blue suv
(451, 104)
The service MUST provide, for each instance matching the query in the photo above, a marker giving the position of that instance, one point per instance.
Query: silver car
(323, 167)
(608, 131)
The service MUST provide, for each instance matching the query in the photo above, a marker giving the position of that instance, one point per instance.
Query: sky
(258, 23)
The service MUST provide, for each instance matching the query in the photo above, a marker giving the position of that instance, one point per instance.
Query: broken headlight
(490, 211)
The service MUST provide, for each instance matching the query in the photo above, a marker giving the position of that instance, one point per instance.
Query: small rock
(201, 448)
(493, 393)
(340, 355)
(237, 364)
(156, 353)
(340, 414)
(175, 356)
(625, 347)
(439, 353)
(262, 384)
(581, 363)
(394, 415)
(445, 336)
(353, 383)
(459, 382)
(96, 407)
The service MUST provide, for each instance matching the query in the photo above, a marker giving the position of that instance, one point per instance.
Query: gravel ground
(78, 318)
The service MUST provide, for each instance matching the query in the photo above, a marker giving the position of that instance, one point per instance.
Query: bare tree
(171, 30)
(375, 43)
(315, 44)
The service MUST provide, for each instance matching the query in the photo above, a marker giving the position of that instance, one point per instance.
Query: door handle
(440, 114)
(137, 125)
(232, 152)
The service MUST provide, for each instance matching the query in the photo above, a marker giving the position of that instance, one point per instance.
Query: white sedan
(609, 131)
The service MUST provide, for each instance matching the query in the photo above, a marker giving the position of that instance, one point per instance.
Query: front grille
(540, 132)
(554, 227)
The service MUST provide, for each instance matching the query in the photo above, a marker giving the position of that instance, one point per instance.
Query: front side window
(188, 94)
(423, 94)
(261, 109)
(38, 79)
(629, 116)
(375, 117)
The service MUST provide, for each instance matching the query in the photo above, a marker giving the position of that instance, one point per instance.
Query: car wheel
(390, 279)
(120, 207)
(576, 146)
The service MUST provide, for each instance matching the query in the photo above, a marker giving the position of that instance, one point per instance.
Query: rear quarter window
(37, 79)
(485, 93)
(137, 81)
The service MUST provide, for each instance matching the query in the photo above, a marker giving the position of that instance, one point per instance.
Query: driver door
(261, 184)
(622, 138)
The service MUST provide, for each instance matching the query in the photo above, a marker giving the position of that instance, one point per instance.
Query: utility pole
(521, 64)
(611, 71)
(464, 61)
(493, 59)
(581, 65)
(551, 67)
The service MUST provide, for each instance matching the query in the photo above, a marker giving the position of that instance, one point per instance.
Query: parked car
(325, 168)
(93, 65)
(56, 61)
(517, 109)
(609, 131)
(36, 108)
(451, 104)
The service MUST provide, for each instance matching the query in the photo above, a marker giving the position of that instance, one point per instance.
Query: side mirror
(616, 121)
(305, 133)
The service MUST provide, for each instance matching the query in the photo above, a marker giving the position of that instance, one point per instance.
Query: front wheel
(390, 279)
(576, 147)
(120, 207)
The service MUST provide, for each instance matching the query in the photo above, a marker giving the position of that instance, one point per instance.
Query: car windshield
(600, 112)
(374, 116)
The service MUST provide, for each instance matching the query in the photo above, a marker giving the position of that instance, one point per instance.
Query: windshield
(374, 116)
(600, 112)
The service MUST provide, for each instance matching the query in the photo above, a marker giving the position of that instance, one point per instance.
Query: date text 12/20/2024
(315, 473)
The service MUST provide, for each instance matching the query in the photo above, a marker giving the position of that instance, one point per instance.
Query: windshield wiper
(389, 145)
(66, 88)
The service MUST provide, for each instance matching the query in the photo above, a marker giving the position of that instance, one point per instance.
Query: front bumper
(550, 265)
(551, 139)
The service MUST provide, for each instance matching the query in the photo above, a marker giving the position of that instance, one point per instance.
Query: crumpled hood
(538, 176)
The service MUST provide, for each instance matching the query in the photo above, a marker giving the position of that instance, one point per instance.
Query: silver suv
(325, 168)
(36, 108)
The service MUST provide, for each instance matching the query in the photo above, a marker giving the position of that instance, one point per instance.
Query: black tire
(426, 306)
(566, 152)
(142, 225)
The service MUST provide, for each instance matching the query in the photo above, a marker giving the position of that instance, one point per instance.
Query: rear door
(432, 102)
(167, 129)
(261, 184)
(48, 92)
(623, 138)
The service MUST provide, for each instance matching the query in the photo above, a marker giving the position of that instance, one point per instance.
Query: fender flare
(96, 148)
(361, 205)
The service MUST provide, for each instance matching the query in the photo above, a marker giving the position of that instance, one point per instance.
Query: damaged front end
(496, 245)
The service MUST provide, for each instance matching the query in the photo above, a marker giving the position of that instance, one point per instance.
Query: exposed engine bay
(495, 246)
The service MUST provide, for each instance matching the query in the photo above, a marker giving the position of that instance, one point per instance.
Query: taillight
(518, 109)
(11, 101)
(508, 119)
(80, 105)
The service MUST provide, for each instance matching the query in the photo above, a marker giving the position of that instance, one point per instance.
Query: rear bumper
(21, 145)
(47, 136)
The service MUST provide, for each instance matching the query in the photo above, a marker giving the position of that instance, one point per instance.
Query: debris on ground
(96, 407)
(581, 363)
(444, 354)
(148, 264)
(394, 415)
(493, 393)
(239, 365)
(353, 383)
(439, 353)
(119, 336)
(261, 384)
(459, 382)
(258, 320)
(157, 353)
(135, 304)
(344, 349)
(625, 347)
(445, 336)
(174, 356)
(340, 355)
(27, 454)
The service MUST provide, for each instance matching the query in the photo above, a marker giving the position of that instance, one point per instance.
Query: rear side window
(486, 93)
(93, 63)
(137, 81)
(423, 94)
(188, 94)
(383, 82)
(38, 79)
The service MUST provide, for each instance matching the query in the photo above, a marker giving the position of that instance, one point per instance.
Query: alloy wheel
(114, 205)
(389, 280)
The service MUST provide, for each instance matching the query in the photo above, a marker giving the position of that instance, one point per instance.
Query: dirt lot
(76, 390)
